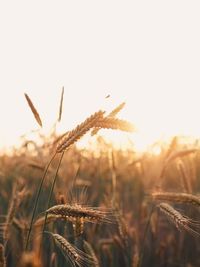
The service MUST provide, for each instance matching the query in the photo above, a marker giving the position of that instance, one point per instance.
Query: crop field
(62, 205)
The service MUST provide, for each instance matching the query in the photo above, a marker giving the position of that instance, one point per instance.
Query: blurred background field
(108, 178)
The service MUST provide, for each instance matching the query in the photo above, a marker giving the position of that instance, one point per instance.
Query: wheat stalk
(37, 198)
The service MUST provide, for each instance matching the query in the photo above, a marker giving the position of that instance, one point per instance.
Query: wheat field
(62, 205)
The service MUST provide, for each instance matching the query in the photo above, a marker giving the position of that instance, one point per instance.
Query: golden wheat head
(74, 212)
(73, 254)
(180, 221)
(71, 137)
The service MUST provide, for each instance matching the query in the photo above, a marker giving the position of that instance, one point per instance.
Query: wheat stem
(37, 199)
(51, 191)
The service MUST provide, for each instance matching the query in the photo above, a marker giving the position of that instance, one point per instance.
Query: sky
(143, 52)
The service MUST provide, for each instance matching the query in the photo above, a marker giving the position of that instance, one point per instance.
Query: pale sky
(144, 52)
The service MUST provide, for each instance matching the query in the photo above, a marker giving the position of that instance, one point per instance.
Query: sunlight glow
(133, 54)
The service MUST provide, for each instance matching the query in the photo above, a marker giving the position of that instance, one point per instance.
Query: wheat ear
(34, 110)
(181, 221)
(115, 124)
(112, 114)
(90, 251)
(73, 254)
(71, 137)
(61, 105)
(88, 214)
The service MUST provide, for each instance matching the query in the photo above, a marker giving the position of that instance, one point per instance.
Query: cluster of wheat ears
(79, 214)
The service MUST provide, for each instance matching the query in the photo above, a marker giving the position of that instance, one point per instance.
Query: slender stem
(37, 198)
(51, 191)
(145, 235)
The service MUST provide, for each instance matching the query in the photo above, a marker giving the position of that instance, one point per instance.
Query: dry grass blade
(74, 212)
(115, 124)
(61, 105)
(79, 131)
(177, 198)
(180, 221)
(33, 109)
(75, 256)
